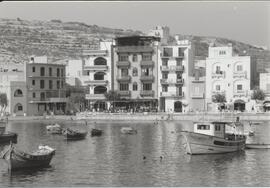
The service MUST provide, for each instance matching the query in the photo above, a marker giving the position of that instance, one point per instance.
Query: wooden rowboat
(20, 160)
(128, 130)
(8, 137)
(74, 134)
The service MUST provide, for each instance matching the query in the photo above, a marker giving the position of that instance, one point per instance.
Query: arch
(134, 71)
(239, 105)
(178, 106)
(215, 69)
(18, 108)
(100, 61)
(100, 90)
(99, 76)
(235, 66)
(215, 83)
(18, 93)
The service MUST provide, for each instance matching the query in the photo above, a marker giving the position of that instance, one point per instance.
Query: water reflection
(115, 159)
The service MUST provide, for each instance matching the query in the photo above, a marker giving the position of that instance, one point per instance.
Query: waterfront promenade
(151, 117)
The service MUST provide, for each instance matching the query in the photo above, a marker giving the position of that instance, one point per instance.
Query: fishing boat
(74, 134)
(128, 130)
(8, 137)
(211, 137)
(54, 128)
(20, 160)
(257, 146)
(96, 132)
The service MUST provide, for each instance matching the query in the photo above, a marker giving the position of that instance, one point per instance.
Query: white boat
(258, 146)
(54, 128)
(128, 130)
(210, 137)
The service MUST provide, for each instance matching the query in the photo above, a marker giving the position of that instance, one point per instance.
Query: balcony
(222, 92)
(178, 68)
(147, 63)
(172, 68)
(95, 96)
(123, 64)
(124, 78)
(171, 94)
(172, 82)
(218, 75)
(95, 52)
(149, 78)
(96, 67)
(96, 82)
(240, 93)
(197, 95)
(242, 74)
(147, 93)
(49, 100)
(134, 49)
(164, 68)
(124, 93)
(179, 81)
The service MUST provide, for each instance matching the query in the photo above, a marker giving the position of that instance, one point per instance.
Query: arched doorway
(239, 105)
(99, 76)
(18, 109)
(100, 61)
(178, 106)
(100, 90)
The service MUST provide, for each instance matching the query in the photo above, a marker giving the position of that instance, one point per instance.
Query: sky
(247, 22)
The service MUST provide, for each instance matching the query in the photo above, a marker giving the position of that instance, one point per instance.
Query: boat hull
(8, 137)
(258, 146)
(196, 143)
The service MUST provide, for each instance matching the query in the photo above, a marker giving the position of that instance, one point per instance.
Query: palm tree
(3, 102)
(258, 95)
(112, 96)
(219, 98)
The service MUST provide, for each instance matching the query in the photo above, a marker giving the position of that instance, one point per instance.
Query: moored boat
(257, 146)
(128, 130)
(96, 132)
(210, 137)
(8, 137)
(2, 126)
(54, 129)
(20, 160)
(74, 134)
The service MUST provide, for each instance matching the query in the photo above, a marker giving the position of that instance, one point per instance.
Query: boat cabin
(211, 128)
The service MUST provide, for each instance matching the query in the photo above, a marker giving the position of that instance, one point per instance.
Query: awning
(266, 102)
(239, 101)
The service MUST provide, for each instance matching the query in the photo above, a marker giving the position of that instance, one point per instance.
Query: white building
(228, 74)
(175, 69)
(96, 73)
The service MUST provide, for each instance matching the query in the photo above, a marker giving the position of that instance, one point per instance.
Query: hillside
(60, 40)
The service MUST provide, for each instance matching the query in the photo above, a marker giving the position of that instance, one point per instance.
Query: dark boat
(74, 134)
(2, 126)
(21, 160)
(8, 137)
(96, 132)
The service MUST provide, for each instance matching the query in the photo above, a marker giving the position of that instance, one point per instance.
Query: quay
(89, 116)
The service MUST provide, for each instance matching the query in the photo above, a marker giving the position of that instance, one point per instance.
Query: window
(146, 57)
(100, 61)
(181, 52)
(50, 71)
(135, 72)
(124, 72)
(197, 90)
(217, 87)
(34, 95)
(218, 70)
(239, 87)
(42, 96)
(124, 87)
(147, 87)
(164, 88)
(239, 68)
(217, 127)
(42, 71)
(167, 52)
(164, 75)
(58, 84)
(135, 86)
(178, 76)
(50, 84)
(20, 108)
(123, 57)
(203, 127)
(134, 58)
(62, 72)
(58, 72)
(62, 84)
(18, 93)
(42, 84)
(145, 72)
(33, 82)
(179, 62)
(33, 69)
(164, 62)
(99, 76)
(222, 52)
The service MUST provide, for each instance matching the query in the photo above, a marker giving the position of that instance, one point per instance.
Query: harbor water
(153, 157)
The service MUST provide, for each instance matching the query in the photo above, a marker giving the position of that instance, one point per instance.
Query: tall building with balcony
(46, 86)
(230, 75)
(135, 71)
(175, 68)
(96, 74)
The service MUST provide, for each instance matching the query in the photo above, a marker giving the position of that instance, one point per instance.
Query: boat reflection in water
(210, 137)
